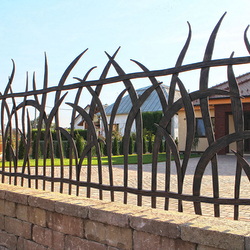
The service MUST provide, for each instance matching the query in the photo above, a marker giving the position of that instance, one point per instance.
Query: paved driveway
(226, 168)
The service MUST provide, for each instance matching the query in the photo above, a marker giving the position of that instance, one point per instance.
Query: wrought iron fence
(35, 176)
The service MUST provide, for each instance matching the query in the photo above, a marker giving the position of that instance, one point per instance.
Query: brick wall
(34, 219)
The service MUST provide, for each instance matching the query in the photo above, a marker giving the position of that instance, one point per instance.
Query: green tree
(161, 146)
(150, 144)
(121, 146)
(57, 153)
(101, 148)
(79, 144)
(7, 149)
(145, 146)
(34, 148)
(105, 149)
(131, 145)
(48, 150)
(21, 149)
(115, 147)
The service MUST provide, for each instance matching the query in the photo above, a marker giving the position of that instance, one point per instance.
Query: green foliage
(67, 149)
(7, 149)
(133, 136)
(34, 149)
(79, 143)
(149, 119)
(131, 145)
(115, 147)
(57, 151)
(150, 144)
(81, 132)
(105, 149)
(21, 150)
(161, 146)
(121, 146)
(145, 146)
(101, 148)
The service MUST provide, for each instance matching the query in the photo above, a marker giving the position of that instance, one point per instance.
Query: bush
(21, 150)
(105, 149)
(149, 119)
(34, 149)
(131, 145)
(150, 145)
(145, 146)
(115, 147)
(161, 146)
(79, 144)
(121, 146)
(7, 152)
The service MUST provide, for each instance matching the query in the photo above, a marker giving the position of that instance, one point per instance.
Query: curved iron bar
(190, 121)
(73, 116)
(4, 106)
(246, 40)
(91, 127)
(108, 142)
(164, 104)
(204, 106)
(159, 137)
(237, 111)
(138, 123)
(16, 134)
(48, 135)
(27, 145)
(243, 163)
(208, 155)
(171, 111)
(189, 139)
(57, 97)
(131, 116)
(41, 118)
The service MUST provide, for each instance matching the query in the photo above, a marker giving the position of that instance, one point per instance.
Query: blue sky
(151, 32)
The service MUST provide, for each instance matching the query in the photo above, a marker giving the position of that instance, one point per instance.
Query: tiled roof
(243, 83)
(150, 105)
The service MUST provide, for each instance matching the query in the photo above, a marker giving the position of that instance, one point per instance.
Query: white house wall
(121, 120)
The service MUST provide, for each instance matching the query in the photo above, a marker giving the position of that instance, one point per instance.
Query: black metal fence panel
(70, 176)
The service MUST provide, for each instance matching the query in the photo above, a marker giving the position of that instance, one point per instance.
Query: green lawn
(117, 160)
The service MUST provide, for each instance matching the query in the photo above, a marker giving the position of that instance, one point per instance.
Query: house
(152, 104)
(80, 123)
(221, 115)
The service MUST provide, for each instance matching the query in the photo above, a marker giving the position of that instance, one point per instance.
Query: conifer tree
(115, 147)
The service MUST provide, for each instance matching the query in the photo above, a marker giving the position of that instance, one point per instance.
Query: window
(200, 128)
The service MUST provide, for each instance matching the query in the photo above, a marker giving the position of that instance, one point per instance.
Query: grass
(117, 160)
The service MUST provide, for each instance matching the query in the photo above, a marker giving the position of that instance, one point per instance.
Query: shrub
(131, 145)
(145, 146)
(161, 146)
(150, 145)
(79, 144)
(121, 146)
(115, 147)
(34, 149)
(21, 149)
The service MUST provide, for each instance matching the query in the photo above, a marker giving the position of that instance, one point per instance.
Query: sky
(151, 32)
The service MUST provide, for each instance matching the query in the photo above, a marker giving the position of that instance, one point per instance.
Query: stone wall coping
(208, 231)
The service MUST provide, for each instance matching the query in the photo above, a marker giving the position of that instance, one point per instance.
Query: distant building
(152, 104)
(80, 123)
(221, 114)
